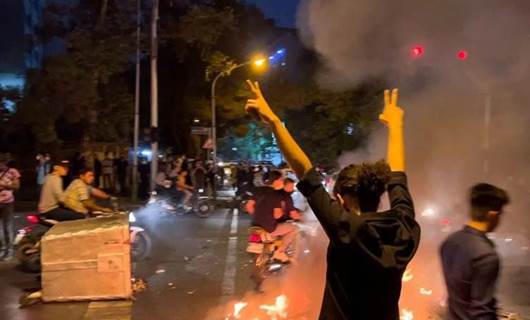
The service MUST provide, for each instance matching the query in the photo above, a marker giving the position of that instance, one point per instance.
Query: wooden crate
(87, 260)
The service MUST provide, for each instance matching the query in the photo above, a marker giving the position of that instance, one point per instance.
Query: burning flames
(238, 307)
(275, 311)
(425, 292)
(407, 276)
(406, 315)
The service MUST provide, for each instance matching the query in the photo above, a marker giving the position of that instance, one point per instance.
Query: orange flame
(279, 309)
(407, 276)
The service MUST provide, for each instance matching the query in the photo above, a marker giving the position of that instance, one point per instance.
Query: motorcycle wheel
(203, 209)
(141, 247)
(258, 271)
(29, 262)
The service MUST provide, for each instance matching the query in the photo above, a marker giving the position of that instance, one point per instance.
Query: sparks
(407, 276)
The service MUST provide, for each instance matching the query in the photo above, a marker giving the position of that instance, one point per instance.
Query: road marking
(235, 220)
(229, 277)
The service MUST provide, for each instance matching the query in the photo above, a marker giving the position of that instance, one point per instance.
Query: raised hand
(259, 105)
(392, 114)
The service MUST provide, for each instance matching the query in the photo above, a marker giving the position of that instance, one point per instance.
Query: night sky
(282, 11)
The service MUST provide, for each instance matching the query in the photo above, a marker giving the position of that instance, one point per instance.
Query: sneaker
(281, 256)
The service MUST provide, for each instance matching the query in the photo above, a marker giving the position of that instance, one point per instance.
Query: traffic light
(417, 51)
(462, 54)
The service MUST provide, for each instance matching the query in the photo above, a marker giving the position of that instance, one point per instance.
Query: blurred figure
(185, 188)
(108, 172)
(258, 177)
(199, 176)
(211, 179)
(43, 168)
(267, 212)
(52, 195)
(121, 165)
(469, 259)
(9, 182)
(98, 170)
(79, 195)
(286, 195)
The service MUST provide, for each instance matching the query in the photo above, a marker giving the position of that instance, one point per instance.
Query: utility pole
(154, 94)
(134, 191)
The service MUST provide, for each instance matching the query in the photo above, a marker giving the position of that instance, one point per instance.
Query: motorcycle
(27, 241)
(262, 246)
(201, 205)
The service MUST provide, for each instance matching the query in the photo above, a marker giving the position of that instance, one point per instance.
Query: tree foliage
(85, 90)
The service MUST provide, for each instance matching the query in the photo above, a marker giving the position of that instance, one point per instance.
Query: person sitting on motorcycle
(79, 194)
(266, 209)
(185, 189)
(52, 195)
(290, 212)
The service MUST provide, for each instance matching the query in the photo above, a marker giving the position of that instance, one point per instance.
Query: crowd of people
(368, 251)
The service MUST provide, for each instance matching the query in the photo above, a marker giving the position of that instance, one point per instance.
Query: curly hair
(365, 182)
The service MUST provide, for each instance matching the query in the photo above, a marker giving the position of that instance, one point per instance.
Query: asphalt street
(198, 269)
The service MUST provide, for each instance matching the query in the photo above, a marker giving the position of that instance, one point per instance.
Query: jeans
(8, 233)
(288, 232)
(61, 214)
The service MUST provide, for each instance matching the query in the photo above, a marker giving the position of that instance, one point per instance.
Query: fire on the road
(406, 315)
(276, 311)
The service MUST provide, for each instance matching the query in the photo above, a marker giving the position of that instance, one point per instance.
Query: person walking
(9, 182)
(469, 260)
(108, 172)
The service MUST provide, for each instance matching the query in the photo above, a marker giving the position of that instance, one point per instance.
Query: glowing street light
(259, 63)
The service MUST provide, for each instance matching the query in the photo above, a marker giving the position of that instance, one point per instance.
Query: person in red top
(9, 182)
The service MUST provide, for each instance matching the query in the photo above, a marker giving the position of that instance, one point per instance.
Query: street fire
(278, 310)
(425, 292)
(407, 276)
(406, 315)
(238, 307)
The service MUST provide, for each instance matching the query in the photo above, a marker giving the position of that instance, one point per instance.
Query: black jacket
(367, 254)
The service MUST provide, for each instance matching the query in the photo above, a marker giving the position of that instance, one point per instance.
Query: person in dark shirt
(266, 209)
(469, 259)
(290, 212)
(368, 251)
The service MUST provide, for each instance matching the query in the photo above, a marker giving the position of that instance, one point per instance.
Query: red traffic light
(417, 51)
(462, 54)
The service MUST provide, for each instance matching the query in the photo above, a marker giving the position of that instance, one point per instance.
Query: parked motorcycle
(28, 240)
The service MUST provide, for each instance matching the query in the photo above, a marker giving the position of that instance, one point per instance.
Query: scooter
(28, 240)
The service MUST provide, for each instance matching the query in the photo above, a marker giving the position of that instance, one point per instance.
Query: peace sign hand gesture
(259, 105)
(392, 114)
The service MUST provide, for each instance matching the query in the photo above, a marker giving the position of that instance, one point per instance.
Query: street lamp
(258, 63)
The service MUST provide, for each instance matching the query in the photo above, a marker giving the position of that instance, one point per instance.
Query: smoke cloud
(466, 119)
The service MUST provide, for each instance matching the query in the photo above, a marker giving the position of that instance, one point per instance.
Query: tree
(85, 87)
